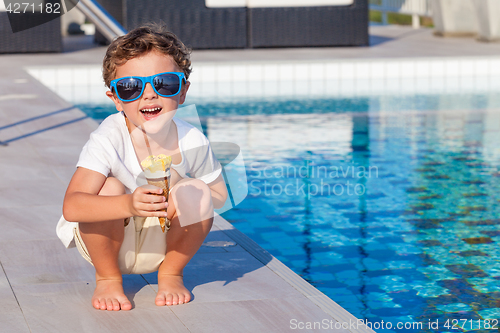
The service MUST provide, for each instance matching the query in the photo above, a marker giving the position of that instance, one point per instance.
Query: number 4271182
(26, 7)
(471, 324)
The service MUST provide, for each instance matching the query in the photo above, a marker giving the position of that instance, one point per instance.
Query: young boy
(116, 221)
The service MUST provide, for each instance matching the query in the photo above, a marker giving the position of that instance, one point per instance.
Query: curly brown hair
(141, 40)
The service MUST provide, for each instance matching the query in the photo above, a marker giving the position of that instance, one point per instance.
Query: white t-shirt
(110, 152)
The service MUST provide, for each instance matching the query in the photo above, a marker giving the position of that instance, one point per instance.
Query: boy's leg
(192, 199)
(103, 241)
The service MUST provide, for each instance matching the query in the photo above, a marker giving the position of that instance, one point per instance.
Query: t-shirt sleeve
(202, 161)
(97, 155)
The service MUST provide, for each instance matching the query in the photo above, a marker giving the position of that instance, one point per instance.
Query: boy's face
(146, 65)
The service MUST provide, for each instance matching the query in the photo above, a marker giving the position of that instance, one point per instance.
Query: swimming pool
(388, 205)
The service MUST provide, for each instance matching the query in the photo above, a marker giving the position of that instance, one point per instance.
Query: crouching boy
(115, 215)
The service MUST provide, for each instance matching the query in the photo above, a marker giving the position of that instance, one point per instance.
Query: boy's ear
(184, 91)
(115, 100)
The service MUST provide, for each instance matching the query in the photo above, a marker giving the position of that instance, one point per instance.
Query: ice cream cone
(157, 172)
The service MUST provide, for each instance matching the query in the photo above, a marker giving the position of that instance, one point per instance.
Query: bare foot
(171, 290)
(109, 295)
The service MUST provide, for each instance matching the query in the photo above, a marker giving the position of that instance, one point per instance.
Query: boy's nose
(149, 92)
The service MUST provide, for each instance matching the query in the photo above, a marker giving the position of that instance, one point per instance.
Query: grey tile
(217, 235)
(43, 261)
(5, 114)
(90, 124)
(270, 315)
(290, 277)
(340, 314)
(45, 100)
(207, 249)
(230, 276)
(216, 241)
(25, 168)
(17, 150)
(60, 155)
(8, 133)
(66, 307)
(236, 248)
(35, 123)
(50, 130)
(71, 134)
(64, 173)
(11, 317)
(37, 222)
(27, 193)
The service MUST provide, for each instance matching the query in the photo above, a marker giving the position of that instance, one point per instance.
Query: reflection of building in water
(361, 157)
(491, 137)
(266, 135)
(452, 126)
(480, 128)
(460, 129)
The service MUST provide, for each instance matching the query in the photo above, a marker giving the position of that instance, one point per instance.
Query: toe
(116, 304)
(96, 304)
(168, 299)
(102, 302)
(175, 299)
(187, 298)
(109, 304)
(160, 300)
(126, 305)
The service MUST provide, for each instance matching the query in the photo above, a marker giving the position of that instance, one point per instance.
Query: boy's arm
(219, 192)
(83, 204)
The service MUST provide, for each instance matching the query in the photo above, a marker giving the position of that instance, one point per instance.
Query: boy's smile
(151, 111)
(149, 105)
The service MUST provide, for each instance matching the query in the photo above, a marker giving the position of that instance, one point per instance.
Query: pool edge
(305, 288)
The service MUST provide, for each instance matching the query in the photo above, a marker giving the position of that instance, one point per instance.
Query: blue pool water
(388, 205)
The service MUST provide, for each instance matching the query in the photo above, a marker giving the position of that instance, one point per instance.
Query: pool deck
(241, 288)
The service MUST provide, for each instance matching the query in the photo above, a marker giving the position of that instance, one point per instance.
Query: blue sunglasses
(130, 88)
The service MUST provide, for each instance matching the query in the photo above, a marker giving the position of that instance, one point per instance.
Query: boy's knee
(193, 202)
(191, 187)
(190, 191)
(112, 186)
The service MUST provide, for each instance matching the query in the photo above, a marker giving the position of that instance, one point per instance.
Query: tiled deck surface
(45, 288)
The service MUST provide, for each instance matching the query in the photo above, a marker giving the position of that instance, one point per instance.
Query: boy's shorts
(143, 249)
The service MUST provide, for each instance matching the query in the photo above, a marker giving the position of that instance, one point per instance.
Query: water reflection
(361, 157)
(417, 244)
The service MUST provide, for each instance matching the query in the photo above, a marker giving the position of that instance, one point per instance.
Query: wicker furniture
(45, 37)
(197, 26)
(309, 26)
(200, 27)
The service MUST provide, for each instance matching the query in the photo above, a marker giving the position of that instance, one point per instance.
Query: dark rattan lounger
(211, 28)
(309, 26)
(196, 25)
(42, 38)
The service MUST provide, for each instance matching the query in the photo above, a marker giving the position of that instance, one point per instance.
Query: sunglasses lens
(167, 84)
(129, 88)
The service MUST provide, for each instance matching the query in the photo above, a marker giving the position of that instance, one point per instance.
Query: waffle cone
(163, 184)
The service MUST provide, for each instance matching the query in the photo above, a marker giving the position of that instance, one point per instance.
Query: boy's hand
(145, 202)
